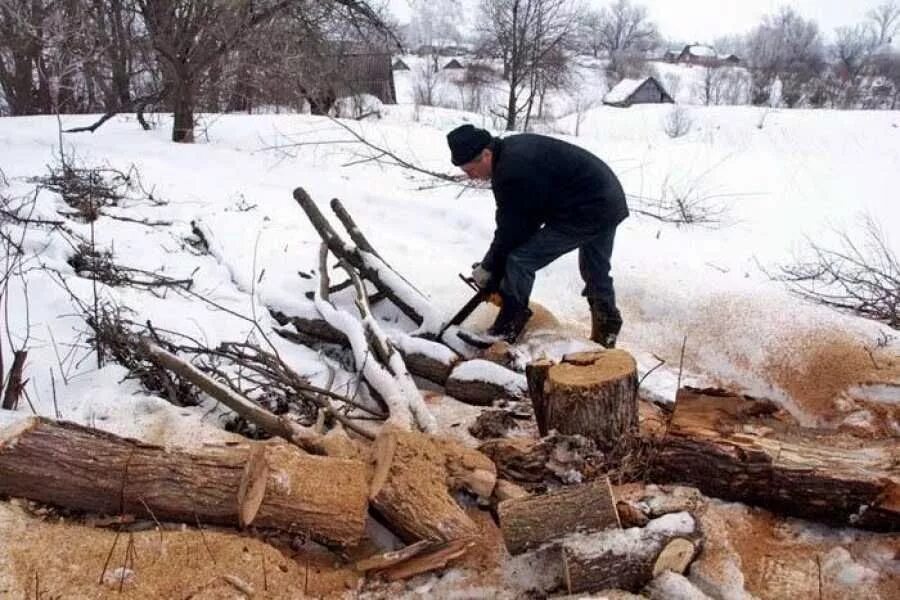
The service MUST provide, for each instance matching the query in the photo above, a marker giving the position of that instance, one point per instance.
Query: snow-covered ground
(802, 173)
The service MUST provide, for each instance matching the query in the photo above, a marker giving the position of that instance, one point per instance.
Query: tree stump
(589, 393)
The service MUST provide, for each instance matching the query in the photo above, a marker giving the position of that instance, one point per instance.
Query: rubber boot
(511, 320)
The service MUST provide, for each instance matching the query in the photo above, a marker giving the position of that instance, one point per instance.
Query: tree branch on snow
(411, 302)
(376, 359)
(861, 277)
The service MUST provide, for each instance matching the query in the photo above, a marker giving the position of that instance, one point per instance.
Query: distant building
(671, 55)
(369, 73)
(701, 54)
(399, 65)
(454, 64)
(637, 91)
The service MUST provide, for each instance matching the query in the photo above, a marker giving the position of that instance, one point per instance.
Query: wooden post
(589, 393)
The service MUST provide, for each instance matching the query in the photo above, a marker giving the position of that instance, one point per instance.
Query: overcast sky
(705, 20)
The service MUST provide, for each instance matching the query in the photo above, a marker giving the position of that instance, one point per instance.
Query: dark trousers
(545, 246)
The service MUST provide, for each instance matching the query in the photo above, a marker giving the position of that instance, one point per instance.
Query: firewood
(738, 448)
(589, 393)
(413, 479)
(553, 460)
(285, 489)
(532, 521)
(435, 557)
(628, 559)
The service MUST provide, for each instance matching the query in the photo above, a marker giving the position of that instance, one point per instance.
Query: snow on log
(481, 382)
(412, 303)
(589, 393)
(413, 480)
(424, 358)
(531, 521)
(740, 448)
(271, 485)
(628, 559)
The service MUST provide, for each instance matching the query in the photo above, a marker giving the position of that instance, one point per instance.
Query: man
(552, 197)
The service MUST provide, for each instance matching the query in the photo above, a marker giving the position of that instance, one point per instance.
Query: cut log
(553, 460)
(271, 485)
(589, 393)
(413, 479)
(532, 521)
(628, 559)
(482, 382)
(738, 448)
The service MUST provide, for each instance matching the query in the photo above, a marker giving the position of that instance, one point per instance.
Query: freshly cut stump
(413, 479)
(589, 393)
(271, 485)
(628, 559)
(531, 521)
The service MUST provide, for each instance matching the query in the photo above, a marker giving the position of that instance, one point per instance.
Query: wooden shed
(637, 91)
(454, 64)
(399, 65)
(370, 73)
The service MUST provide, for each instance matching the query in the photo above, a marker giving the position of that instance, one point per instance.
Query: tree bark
(628, 559)
(183, 111)
(532, 521)
(414, 475)
(739, 448)
(589, 393)
(273, 486)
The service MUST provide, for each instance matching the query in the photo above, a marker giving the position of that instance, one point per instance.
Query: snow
(623, 90)
(674, 586)
(802, 173)
(632, 540)
(485, 370)
(839, 565)
(702, 51)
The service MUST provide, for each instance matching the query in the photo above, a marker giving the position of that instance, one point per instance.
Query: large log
(413, 480)
(589, 393)
(271, 485)
(628, 559)
(740, 448)
(531, 521)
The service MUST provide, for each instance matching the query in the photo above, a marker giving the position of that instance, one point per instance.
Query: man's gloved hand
(480, 275)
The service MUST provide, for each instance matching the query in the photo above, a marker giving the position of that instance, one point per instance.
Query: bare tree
(677, 122)
(886, 19)
(189, 37)
(529, 35)
(852, 51)
(434, 24)
(625, 27)
(784, 48)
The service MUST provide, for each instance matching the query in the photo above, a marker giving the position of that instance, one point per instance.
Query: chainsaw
(481, 295)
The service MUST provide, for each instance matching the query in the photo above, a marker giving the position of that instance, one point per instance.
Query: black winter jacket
(539, 180)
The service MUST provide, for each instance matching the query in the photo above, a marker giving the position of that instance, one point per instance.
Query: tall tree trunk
(183, 111)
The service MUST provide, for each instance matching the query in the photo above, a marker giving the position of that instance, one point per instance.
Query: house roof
(622, 90)
(701, 50)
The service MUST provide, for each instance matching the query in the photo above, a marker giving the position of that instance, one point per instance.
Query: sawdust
(66, 560)
(819, 369)
(780, 560)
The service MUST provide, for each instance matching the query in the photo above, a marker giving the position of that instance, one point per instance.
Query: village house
(637, 91)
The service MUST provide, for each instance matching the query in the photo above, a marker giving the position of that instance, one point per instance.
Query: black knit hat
(466, 142)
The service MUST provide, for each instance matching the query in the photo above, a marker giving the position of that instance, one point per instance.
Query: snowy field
(800, 174)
